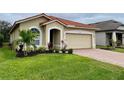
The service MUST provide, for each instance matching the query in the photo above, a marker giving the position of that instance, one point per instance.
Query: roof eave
(12, 27)
(70, 26)
(106, 30)
(90, 28)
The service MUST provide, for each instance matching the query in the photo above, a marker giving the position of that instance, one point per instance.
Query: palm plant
(27, 38)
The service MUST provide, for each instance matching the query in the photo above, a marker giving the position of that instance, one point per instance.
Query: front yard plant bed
(33, 53)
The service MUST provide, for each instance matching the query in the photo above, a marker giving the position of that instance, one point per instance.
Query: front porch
(114, 36)
(54, 37)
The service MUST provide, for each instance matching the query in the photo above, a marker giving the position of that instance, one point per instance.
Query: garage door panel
(78, 41)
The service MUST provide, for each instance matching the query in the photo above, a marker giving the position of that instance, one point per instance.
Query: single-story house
(53, 29)
(108, 31)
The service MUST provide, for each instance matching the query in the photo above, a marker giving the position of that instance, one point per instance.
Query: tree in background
(4, 30)
(1, 39)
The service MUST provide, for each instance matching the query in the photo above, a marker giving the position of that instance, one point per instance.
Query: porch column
(47, 37)
(122, 39)
(114, 38)
(93, 40)
(61, 38)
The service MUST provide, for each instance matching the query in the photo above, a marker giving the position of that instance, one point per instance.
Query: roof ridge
(106, 21)
(67, 20)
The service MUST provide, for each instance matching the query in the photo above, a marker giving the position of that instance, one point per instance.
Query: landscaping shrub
(32, 53)
(41, 49)
(51, 50)
(63, 50)
(70, 51)
(56, 50)
(20, 53)
(46, 51)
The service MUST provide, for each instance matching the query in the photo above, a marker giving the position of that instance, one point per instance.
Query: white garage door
(79, 41)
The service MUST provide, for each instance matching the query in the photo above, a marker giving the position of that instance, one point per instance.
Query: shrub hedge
(43, 51)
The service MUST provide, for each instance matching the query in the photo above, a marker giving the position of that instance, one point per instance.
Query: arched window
(37, 40)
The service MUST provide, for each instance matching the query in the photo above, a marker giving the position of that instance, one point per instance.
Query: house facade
(54, 30)
(108, 31)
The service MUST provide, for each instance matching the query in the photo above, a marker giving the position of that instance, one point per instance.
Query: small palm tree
(27, 38)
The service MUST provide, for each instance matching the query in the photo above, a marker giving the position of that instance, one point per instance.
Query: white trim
(41, 35)
(93, 28)
(61, 34)
(77, 32)
(53, 21)
(120, 28)
(93, 40)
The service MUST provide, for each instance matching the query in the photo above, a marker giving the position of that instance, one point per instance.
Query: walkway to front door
(102, 55)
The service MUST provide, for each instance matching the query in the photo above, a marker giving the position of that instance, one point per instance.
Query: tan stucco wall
(11, 39)
(14, 35)
(32, 23)
(44, 36)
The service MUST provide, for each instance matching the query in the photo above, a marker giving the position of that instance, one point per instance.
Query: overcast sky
(79, 17)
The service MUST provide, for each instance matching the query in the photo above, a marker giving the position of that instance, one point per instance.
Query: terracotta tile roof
(68, 22)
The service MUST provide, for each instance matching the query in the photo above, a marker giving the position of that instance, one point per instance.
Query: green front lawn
(121, 50)
(55, 67)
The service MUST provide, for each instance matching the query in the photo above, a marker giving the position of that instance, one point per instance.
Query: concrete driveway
(102, 55)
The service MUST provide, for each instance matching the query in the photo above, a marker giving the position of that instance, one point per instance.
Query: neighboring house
(54, 30)
(107, 31)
